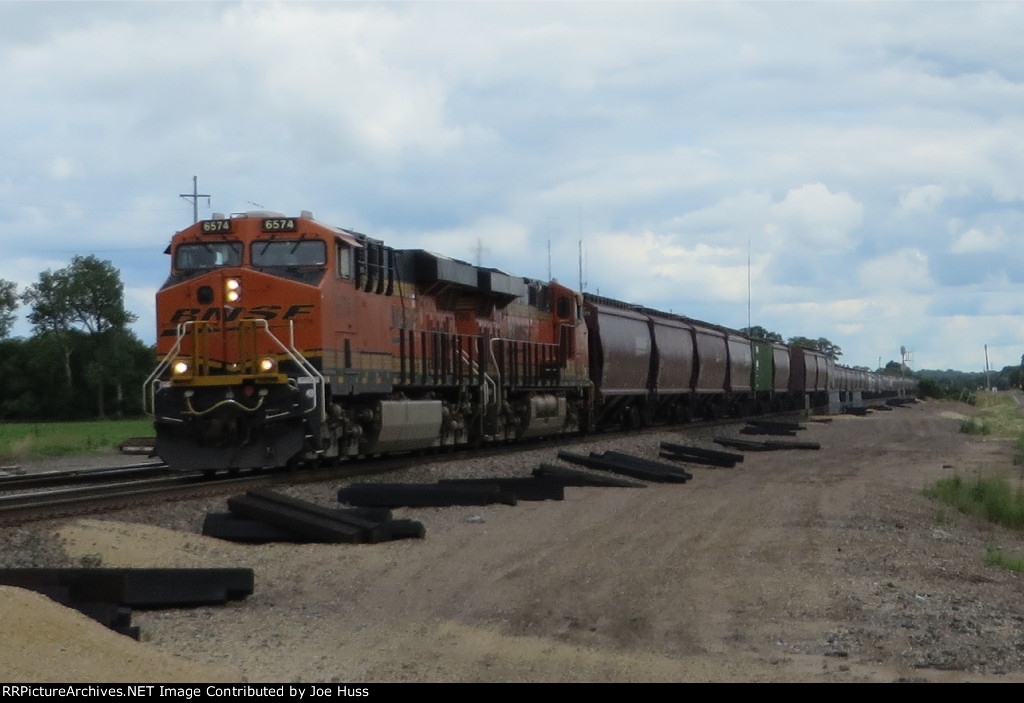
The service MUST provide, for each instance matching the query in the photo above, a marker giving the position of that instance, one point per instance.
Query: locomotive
(284, 340)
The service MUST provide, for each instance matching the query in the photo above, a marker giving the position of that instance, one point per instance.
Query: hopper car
(284, 340)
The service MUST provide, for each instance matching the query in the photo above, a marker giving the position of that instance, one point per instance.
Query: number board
(216, 226)
(280, 224)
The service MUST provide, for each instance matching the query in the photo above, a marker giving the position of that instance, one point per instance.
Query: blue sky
(865, 158)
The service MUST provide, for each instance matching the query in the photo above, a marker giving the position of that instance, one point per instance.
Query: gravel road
(822, 565)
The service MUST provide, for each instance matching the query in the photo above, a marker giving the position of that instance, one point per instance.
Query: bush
(975, 427)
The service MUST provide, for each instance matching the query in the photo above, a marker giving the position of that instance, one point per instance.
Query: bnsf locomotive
(283, 340)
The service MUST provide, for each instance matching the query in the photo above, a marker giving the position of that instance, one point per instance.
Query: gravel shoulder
(794, 566)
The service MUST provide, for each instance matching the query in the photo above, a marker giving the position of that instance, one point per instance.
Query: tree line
(829, 349)
(82, 361)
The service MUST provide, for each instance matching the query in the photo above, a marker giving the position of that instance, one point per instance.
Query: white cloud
(489, 239)
(923, 198)
(902, 270)
(835, 138)
(976, 240)
(817, 217)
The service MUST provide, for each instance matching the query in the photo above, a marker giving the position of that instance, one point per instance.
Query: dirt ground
(810, 566)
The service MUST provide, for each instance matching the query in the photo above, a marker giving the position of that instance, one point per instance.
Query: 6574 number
(283, 224)
(210, 226)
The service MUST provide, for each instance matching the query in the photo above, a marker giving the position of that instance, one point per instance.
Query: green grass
(50, 439)
(1000, 415)
(994, 556)
(993, 499)
(974, 426)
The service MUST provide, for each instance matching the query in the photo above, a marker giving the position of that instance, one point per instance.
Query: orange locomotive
(283, 339)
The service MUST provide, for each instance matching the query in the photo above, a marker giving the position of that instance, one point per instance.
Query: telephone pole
(194, 196)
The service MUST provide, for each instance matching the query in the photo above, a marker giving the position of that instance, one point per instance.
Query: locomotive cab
(232, 388)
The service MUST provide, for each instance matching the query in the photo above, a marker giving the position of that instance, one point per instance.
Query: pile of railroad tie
(108, 595)
(262, 516)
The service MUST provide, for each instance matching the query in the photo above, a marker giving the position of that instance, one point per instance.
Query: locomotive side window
(194, 257)
(344, 261)
(564, 308)
(288, 253)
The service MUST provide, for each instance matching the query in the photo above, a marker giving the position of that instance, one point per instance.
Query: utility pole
(194, 196)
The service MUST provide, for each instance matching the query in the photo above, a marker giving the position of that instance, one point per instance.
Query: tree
(8, 304)
(85, 297)
(88, 295)
(829, 349)
(758, 332)
(51, 313)
(893, 368)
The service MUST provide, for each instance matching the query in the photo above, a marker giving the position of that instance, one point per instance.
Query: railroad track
(77, 492)
(63, 494)
(70, 477)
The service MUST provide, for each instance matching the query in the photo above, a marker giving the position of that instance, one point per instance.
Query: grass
(974, 426)
(999, 415)
(994, 556)
(993, 499)
(50, 439)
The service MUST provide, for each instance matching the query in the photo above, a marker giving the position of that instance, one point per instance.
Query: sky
(853, 171)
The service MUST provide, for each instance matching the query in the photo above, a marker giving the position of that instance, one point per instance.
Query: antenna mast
(579, 227)
(748, 283)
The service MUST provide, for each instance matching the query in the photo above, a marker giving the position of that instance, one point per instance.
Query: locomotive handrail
(494, 360)
(302, 362)
(153, 380)
(488, 381)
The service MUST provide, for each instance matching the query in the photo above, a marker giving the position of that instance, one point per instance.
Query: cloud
(975, 240)
(815, 216)
(923, 199)
(902, 270)
(863, 152)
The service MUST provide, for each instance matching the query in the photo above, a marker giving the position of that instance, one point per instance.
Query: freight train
(283, 340)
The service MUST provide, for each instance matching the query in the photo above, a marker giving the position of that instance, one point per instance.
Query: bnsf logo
(216, 314)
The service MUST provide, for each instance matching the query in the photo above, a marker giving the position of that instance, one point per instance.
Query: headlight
(232, 290)
(267, 364)
(180, 368)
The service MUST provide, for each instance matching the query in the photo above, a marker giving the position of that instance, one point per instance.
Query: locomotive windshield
(192, 257)
(285, 252)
